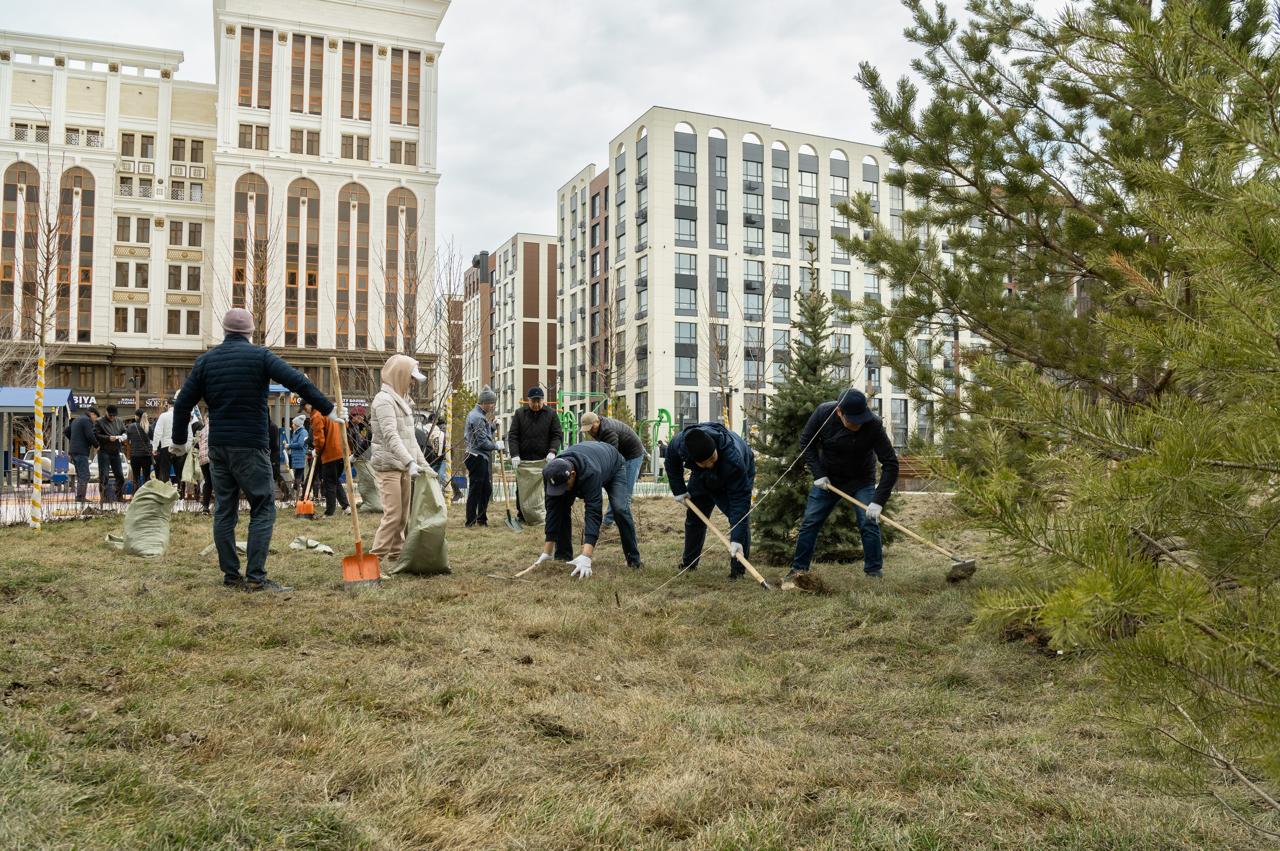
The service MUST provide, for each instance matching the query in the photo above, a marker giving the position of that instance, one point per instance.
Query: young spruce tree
(1100, 197)
(808, 381)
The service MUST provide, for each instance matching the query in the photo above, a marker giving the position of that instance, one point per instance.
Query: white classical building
(301, 184)
(685, 256)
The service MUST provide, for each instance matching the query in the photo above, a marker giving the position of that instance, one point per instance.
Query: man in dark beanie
(841, 443)
(233, 378)
(583, 471)
(111, 439)
(723, 474)
(535, 435)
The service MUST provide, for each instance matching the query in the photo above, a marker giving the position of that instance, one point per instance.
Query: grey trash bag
(425, 552)
(367, 486)
(146, 520)
(533, 503)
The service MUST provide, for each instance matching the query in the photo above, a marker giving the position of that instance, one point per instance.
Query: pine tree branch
(1218, 757)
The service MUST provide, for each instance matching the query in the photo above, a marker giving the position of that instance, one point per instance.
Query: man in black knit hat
(723, 474)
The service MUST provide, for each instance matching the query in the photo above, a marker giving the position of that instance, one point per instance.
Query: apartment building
(300, 184)
(512, 320)
(709, 223)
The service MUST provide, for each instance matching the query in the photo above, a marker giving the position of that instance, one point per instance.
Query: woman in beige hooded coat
(394, 455)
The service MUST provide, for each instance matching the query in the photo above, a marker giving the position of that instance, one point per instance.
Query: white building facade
(301, 184)
(710, 220)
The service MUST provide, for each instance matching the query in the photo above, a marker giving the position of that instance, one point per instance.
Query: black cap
(535, 393)
(698, 445)
(555, 476)
(853, 406)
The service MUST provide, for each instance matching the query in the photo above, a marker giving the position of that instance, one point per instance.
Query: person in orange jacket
(326, 437)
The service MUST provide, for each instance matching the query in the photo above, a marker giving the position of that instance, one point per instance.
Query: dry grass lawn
(144, 706)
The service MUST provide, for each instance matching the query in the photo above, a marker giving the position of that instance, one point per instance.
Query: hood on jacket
(398, 373)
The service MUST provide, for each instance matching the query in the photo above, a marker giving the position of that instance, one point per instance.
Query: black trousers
(164, 465)
(333, 491)
(695, 531)
(109, 467)
(141, 467)
(479, 489)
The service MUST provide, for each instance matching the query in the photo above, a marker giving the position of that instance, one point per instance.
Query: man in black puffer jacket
(535, 435)
(232, 378)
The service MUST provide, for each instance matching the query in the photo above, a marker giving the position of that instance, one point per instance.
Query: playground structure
(650, 430)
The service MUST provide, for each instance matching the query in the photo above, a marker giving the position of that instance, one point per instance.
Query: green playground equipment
(568, 422)
(654, 429)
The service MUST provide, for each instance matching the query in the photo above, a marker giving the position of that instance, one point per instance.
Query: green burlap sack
(367, 485)
(146, 520)
(425, 552)
(533, 503)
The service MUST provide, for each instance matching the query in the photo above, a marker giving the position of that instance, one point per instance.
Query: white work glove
(178, 449)
(338, 415)
(551, 456)
(821, 483)
(681, 498)
(735, 550)
(515, 460)
(541, 559)
(581, 567)
(873, 512)
(413, 469)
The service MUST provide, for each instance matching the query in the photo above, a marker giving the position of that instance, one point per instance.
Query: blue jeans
(820, 505)
(439, 467)
(236, 469)
(81, 463)
(632, 469)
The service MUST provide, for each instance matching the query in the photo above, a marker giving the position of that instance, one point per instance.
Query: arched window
(685, 127)
(302, 265)
(75, 256)
(20, 225)
(807, 151)
(402, 271)
(352, 308)
(750, 139)
(839, 155)
(715, 133)
(779, 145)
(250, 240)
(642, 132)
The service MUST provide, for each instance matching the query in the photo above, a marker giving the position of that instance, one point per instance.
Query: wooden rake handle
(755, 574)
(346, 460)
(894, 523)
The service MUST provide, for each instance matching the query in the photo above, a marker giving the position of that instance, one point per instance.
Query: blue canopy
(22, 400)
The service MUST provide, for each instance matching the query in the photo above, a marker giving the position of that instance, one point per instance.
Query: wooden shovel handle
(894, 523)
(706, 521)
(346, 460)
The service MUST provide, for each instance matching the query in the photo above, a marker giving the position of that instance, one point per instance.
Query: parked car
(57, 467)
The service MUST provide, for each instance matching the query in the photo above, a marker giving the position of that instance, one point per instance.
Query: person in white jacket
(161, 440)
(394, 456)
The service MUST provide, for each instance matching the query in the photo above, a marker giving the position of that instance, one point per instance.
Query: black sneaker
(789, 581)
(237, 583)
(873, 574)
(635, 565)
(734, 575)
(266, 585)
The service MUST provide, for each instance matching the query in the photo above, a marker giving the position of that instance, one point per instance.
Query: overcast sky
(532, 91)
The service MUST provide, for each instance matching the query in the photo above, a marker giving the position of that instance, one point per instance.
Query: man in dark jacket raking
(82, 437)
(623, 438)
(841, 443)
(111, 438)
(535, 435)
(724, 472)
(581, 472)
(232, 378)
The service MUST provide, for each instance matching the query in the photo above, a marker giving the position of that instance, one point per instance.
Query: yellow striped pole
(37, 474)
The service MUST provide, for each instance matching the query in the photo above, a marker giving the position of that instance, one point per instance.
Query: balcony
(642, 215)
(642, 179)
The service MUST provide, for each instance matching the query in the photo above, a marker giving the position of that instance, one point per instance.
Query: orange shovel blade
(360, 569)
(304, 508)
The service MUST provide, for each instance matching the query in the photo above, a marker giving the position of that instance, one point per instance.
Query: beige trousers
(396, 490)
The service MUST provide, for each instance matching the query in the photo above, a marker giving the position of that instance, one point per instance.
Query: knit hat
(853, 406)
(535, 393)
(698, 445)
(299, 421)
(487, 396)
(238, 321)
